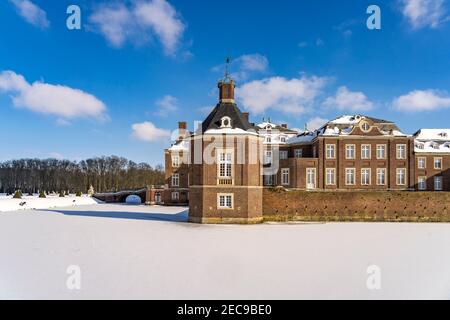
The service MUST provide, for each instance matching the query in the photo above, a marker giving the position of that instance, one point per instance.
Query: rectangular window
(350, 176)
(331, 176)
(438, 183)
(365, 151)
(401, 151)
(269, 180)
(225, 201)
(422, 163)
(283, 154)
(330, 151)
(285, 176)
(381, 151)
(365, 177)
(175, 180)
(381, 176)
(350, 151)
(175, 196)
(310, 178)
(422, 183)
(438, 163)
(268, 157)
(401, 176)
(298, 153)
(314, 151)
(175, 161)
(225, 161)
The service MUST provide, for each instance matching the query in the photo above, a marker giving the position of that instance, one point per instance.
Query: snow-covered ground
(126, 251)
(7, 203)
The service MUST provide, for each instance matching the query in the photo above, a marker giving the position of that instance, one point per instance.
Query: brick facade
(351, 153)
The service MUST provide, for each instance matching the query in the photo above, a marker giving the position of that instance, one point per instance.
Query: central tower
(226, 184)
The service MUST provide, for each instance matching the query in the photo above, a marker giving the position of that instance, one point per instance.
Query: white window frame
(308, 170)
(420, 180)
(379, 148)
(298, 153)
(362, 151)
(438, 178)
(379, 175)
(352, 148)
(227, 162)
(347, 170)
(434, 163)
(175, 196)
(329, 182)
(268, 156)
(419, 160)
(175, 180)
(225, 197)
(398, 151)
(363, 182)
(397, 175)
(284, 154)
(330, 151)
(285, 173)
(175, 161)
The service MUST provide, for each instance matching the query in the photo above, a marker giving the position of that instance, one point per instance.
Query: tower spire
(227, 63)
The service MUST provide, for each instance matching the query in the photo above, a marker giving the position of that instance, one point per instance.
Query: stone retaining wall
(392, 206)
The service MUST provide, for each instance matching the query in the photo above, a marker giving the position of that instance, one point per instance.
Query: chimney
(226, 91)
(246, 115)
(182, 125)
(284, 125)
(181, 130)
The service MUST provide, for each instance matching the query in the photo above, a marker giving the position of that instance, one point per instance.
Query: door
(310, 178)
(157, 197)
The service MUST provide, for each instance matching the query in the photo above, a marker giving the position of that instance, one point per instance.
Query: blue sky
(120, 84)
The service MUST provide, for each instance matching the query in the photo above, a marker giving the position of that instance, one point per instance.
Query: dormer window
(365, 126)
(225, 122)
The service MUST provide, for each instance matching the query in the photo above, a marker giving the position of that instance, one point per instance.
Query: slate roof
(226, 110)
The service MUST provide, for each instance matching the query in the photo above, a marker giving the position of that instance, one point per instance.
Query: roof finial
(227, 76)
(306, 127)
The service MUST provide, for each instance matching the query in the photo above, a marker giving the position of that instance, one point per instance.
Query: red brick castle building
(221, 168)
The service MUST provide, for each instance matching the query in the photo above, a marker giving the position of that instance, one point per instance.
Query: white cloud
(424, 13)
(315, 123)
(320, 42)
(292, 96)
(349, 100)
(62, 122)
(147, 131)
(244, 66)
(59, 100)
(31, 13)
(166, 105)
(422, 100)
(139, 22)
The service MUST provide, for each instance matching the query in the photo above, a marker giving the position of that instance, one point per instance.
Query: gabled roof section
(214, 119)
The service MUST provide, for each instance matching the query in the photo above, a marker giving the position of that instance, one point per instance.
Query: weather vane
(226, 68)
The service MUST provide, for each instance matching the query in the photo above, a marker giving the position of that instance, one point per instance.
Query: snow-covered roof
(433, 134)
(347, 119)
(306, 136)
(432, 141)
(182, 145)
(232, 131)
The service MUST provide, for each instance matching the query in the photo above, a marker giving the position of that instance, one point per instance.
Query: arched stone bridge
(120, 197)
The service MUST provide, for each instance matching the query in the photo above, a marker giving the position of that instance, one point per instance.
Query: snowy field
(7, 203)
(126, 251)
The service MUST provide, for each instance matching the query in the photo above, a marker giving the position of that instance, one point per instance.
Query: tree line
(104, 174)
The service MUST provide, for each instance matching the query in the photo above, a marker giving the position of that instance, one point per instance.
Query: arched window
(225, 122)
